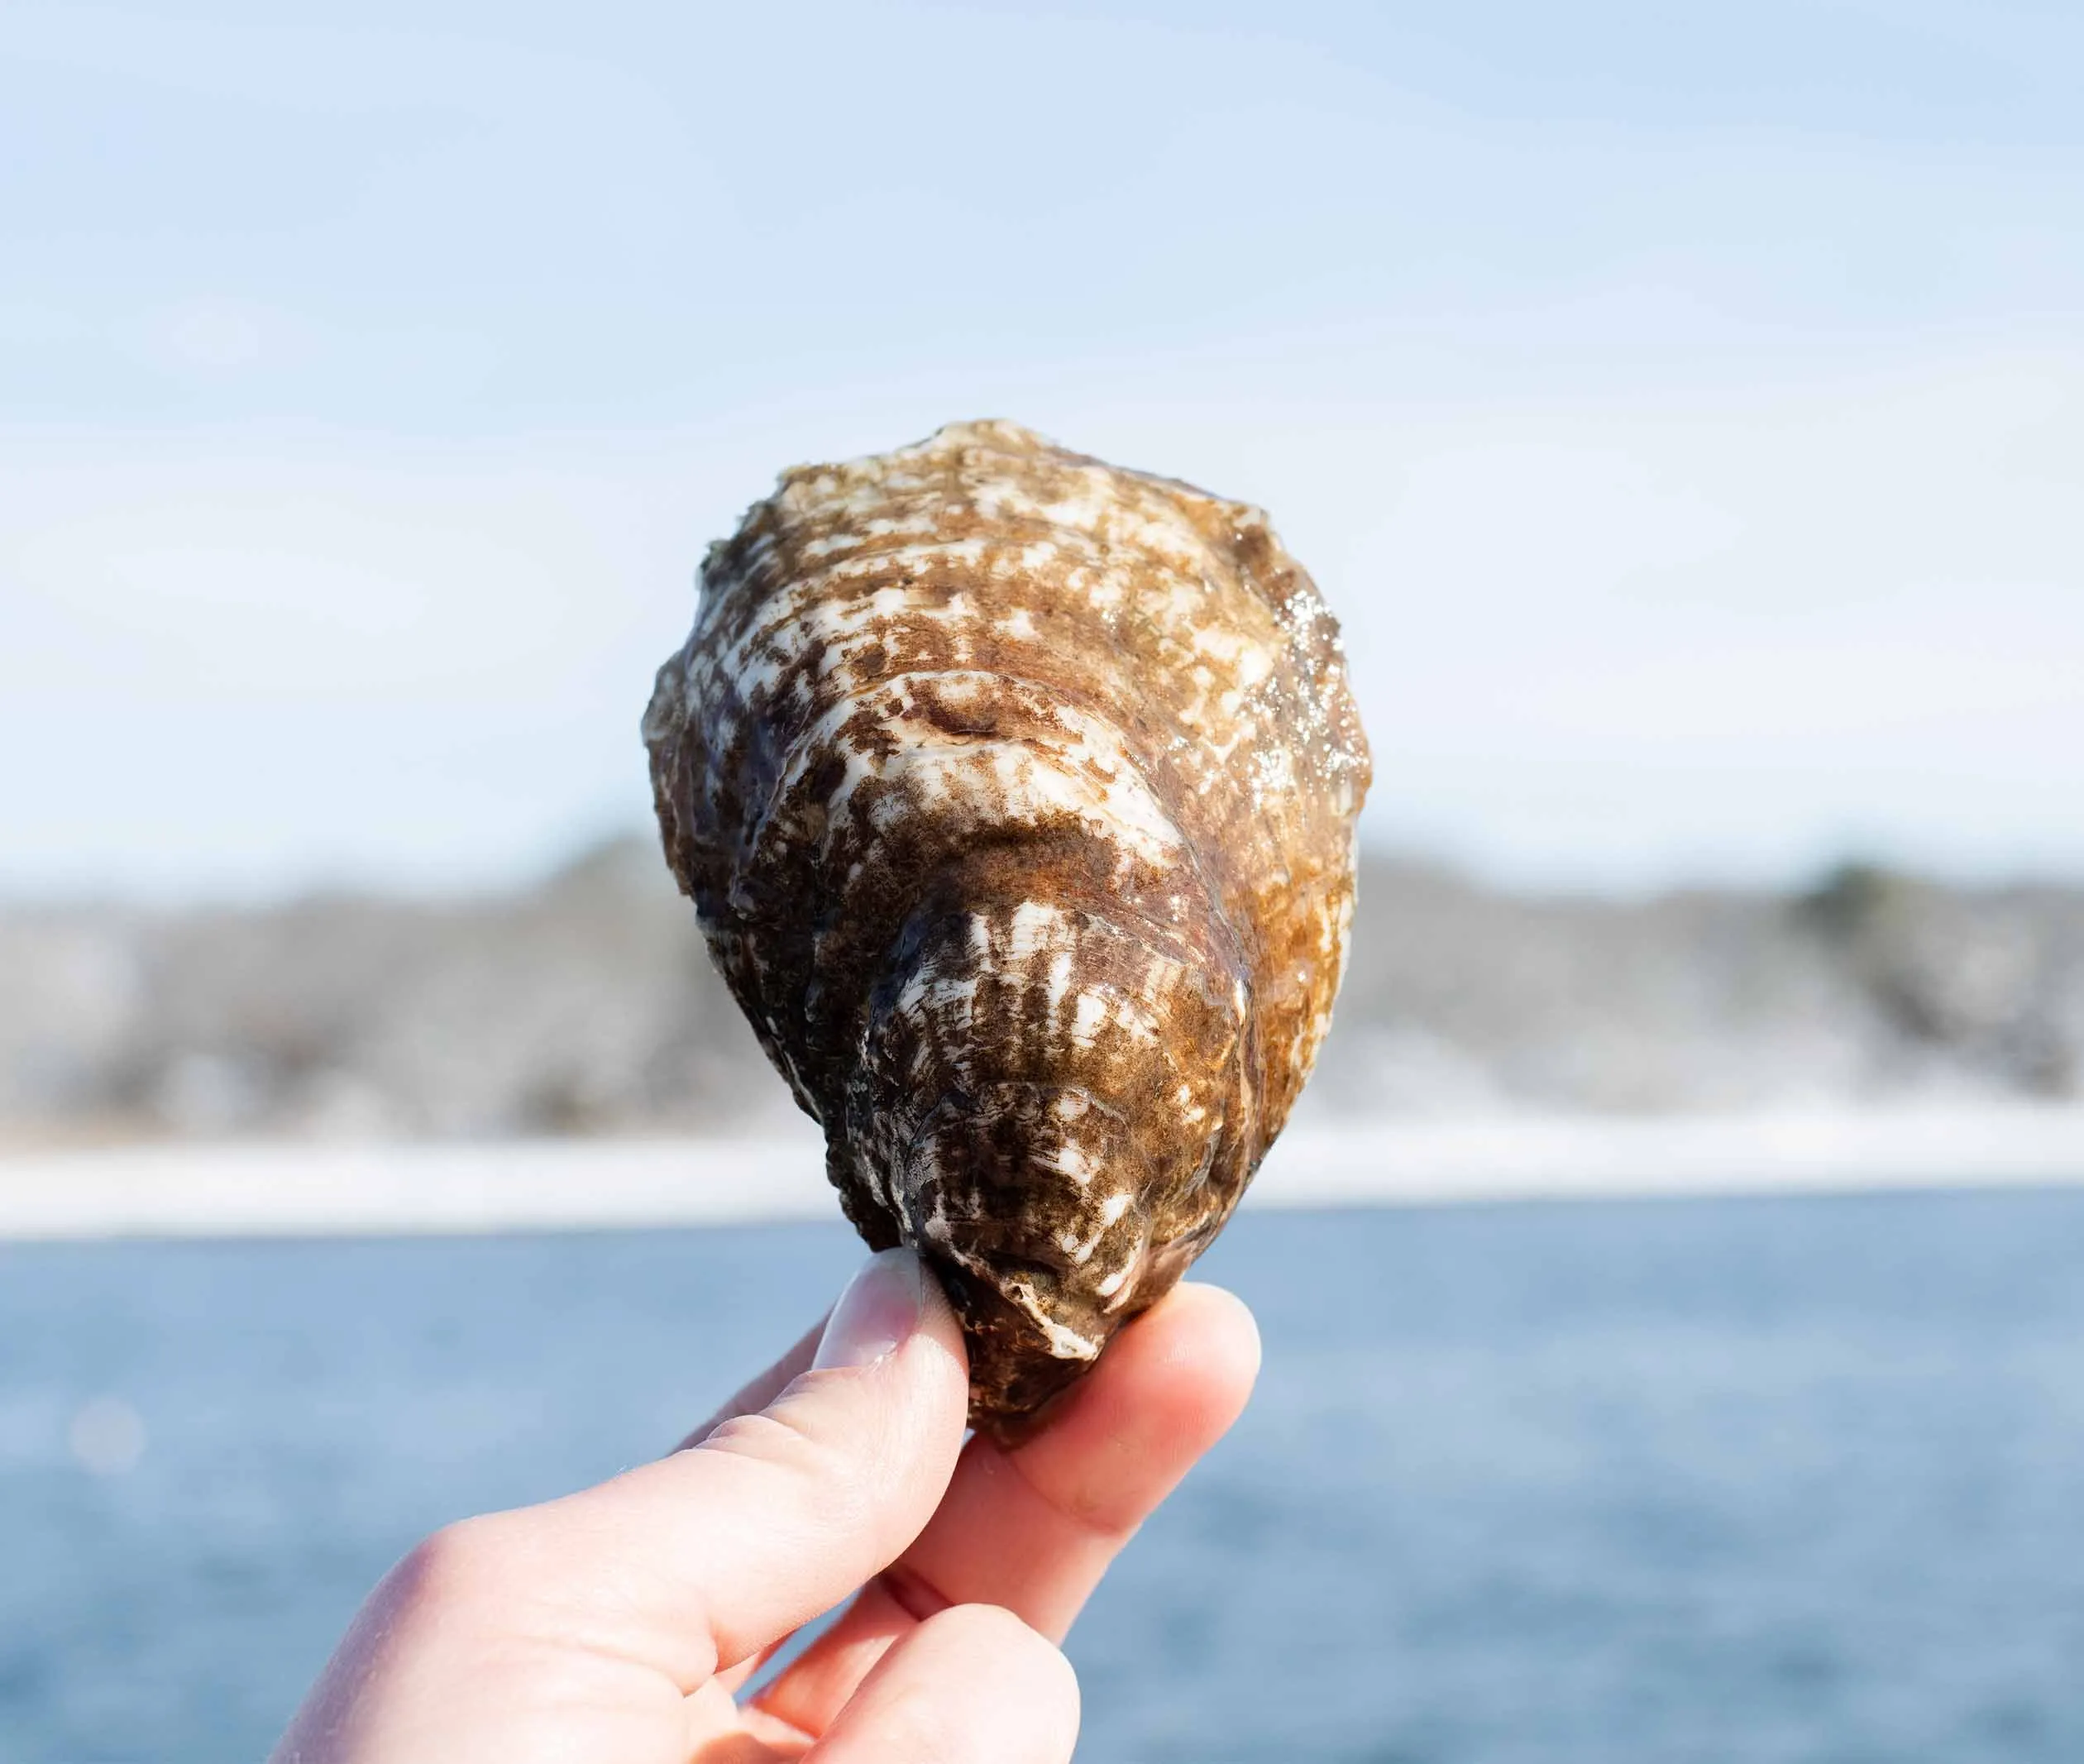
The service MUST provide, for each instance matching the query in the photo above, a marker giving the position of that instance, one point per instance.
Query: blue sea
(1764, 1480)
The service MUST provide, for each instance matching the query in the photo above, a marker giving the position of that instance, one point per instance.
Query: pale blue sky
(1683, 406)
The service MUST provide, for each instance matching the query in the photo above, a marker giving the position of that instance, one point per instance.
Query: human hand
(618, 1625)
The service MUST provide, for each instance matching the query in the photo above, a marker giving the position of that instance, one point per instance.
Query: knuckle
(465, 1566)
(795, 1438)
(1057, 1684)
(1014, 1648)
(987, 1626)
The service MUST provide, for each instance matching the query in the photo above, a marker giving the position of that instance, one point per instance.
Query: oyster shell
(1016, 794)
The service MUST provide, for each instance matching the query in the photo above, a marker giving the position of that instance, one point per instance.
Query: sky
(1682, 408)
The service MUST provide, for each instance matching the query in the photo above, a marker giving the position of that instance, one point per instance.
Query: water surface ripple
(1766, 1480)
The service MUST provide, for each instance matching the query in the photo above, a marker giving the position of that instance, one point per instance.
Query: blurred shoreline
(302, 1190)
(585, 1007)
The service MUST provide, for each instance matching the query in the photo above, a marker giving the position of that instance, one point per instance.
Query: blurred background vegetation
(586, 1004)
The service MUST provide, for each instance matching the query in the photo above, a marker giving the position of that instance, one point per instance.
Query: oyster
(1016, 796)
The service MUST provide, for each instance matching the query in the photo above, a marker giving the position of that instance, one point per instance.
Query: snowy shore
(314, 1190)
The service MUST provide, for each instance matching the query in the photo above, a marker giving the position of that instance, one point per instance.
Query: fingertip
(1201, 1345)
(1220, 1314)
(891, 1355)
(926, 1376)
(893, 1321)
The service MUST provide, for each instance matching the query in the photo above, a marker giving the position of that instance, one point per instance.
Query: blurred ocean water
(1762, 1481)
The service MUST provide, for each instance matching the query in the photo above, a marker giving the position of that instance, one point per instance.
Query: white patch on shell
(1089, 1014)
(1084, 771)
(1059, 988)
(931, 993)
(1080, 1249)
(1068, 1159)
(1035, 926)
(1098, 1006)
(1120, 1283)
(1064, 1343)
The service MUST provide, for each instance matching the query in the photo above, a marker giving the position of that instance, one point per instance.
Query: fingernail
(877, 1314)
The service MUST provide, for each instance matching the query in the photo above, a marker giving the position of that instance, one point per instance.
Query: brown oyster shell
(1016, 794)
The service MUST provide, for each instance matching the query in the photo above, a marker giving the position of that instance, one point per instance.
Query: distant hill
(588, 1006)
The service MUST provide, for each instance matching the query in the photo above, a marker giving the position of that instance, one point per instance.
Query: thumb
(697, 1561)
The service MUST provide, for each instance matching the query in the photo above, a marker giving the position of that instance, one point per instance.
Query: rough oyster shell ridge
(1016, 793)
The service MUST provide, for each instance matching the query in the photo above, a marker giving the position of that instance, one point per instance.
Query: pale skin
(621, 1625)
